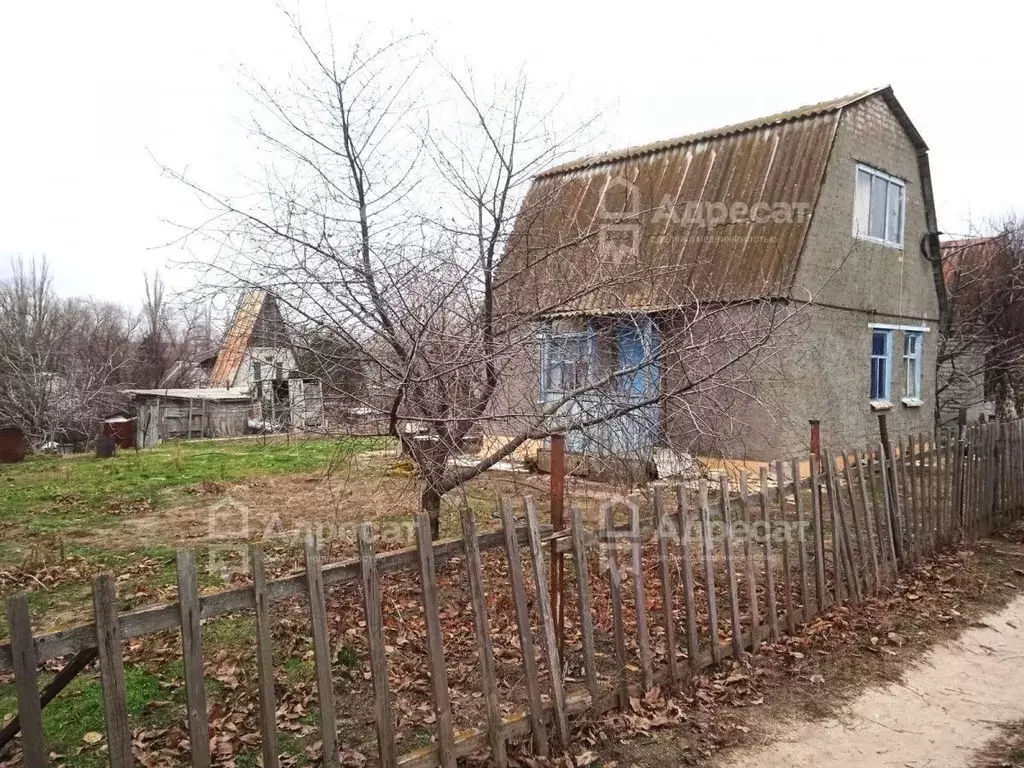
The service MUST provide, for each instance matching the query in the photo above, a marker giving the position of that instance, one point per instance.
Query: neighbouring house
(253, 385)
(646, 268)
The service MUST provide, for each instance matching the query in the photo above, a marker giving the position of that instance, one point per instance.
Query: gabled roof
(257, 315)
(642, 191)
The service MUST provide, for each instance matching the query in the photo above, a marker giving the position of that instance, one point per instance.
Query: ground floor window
(885, 365)
(566, 359)
(881, 364)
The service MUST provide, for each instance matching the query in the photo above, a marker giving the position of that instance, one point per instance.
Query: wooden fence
(729, 565)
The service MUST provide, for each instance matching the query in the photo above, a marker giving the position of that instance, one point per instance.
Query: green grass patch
(77, 491)
(235, 634)
(79, 709)
(299, 670)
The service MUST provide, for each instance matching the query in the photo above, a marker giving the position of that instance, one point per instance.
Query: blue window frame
(638, 349)
(881, 364)
(912, 344)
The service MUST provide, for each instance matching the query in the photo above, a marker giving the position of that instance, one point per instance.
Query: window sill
(881, 405)
(879, 241)
(912, 402)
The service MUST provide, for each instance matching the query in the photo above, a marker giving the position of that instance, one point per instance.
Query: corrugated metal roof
(206, 393)
(232, 351)
(613, 231)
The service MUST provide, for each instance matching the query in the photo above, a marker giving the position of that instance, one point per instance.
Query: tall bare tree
(981, 356)
(382, 223)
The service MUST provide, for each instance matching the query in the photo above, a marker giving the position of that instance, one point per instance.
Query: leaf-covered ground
(130, 518)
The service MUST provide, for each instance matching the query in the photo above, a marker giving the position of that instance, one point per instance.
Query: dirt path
(946, 709)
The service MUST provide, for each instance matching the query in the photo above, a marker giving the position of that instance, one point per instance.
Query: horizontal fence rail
(656, 592)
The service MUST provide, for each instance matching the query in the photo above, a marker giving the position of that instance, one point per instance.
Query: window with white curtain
(879, 207)
(912, 364)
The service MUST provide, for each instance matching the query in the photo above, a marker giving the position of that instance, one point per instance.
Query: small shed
(164, 414)
(12, 444)
(121, 427)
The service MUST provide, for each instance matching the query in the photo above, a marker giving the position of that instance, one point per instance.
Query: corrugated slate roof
(611, 231)
(232, 351)
(628, 153)
(198, 393)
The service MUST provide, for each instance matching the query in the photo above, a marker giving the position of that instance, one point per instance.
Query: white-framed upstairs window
(879, 209)
(912, 346)
(881, 367)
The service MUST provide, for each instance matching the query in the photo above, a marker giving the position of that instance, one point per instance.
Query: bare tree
(61, 360)
(383, 226)
(981, 356)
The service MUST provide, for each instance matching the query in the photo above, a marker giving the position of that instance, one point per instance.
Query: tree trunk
(430, 501)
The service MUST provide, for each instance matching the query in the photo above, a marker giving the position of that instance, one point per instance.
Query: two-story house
(717, 292)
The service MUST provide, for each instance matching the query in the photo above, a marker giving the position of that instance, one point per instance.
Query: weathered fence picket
(769, 566)
(115, 697)
(708, 545)
(540, 581)
(748, 558)
(264, 660)
(382, 717)
(787, 569)
(686, 547)
(586, 618)
(192, 654)
(26, 681)
(524, 626)
(322, 656)
(734, 598)
(667, 591)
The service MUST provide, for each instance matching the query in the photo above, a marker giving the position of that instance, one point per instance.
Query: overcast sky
(91, 92)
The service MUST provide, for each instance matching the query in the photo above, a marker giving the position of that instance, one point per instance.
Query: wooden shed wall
(169, 418)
